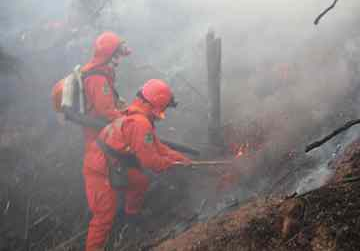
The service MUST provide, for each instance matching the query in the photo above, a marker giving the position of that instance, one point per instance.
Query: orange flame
(241, 151)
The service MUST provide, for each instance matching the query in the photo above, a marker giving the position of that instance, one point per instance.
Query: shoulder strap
(89, 73)
(95, 72)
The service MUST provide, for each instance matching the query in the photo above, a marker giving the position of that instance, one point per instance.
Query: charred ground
(322, 219)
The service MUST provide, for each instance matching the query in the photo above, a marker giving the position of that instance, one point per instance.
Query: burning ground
(322, 219)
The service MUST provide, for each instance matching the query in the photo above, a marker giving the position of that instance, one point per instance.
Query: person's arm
(165, 150)
(142, 142)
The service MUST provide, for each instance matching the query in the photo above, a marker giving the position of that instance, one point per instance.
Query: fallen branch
(317, 20)
(320, 142)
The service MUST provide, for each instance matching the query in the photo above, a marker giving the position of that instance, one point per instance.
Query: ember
(241, 151)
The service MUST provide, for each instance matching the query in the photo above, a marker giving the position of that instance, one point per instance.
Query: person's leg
(102, 200)
(135, 192)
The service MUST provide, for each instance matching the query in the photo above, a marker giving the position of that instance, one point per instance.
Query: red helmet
(106, 45)
(159, 95)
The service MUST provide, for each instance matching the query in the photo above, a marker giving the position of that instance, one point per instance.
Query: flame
(239, 153)
(241, 150)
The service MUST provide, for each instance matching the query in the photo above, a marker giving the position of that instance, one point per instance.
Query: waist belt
(126, 160)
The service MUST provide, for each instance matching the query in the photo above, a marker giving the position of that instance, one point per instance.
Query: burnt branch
(317, 20)
(320, 142)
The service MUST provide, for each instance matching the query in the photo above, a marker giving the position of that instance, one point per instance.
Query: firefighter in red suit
(132, 133)
(101, 96)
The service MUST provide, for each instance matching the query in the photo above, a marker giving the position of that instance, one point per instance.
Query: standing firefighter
(100, 94)
(100, 99)
(126, 147)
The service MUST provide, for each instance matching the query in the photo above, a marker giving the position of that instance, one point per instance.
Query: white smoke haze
(279, 70)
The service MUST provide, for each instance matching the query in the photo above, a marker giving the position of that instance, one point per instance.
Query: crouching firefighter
(118, 157)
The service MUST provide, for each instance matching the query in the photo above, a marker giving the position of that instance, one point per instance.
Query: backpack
(69, 92)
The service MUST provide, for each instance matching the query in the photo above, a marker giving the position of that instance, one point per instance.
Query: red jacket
(133, 132)
(100, 98)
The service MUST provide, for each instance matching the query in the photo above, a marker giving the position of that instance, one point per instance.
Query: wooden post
(213, 58)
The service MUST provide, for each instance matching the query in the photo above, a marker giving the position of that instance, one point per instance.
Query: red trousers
(102, 200)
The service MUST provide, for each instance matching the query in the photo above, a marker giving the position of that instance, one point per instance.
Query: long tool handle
(180, 147)
(211, 163)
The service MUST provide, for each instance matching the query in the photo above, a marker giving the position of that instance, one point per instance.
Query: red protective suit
(99, 89)
(133, 132)
(100, 102)
(100, 99)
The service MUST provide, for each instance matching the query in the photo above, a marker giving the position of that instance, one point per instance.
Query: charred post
(213, 58)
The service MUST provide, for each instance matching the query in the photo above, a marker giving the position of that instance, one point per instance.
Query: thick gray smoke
(279, 70)
(292, 79)
(262, 42)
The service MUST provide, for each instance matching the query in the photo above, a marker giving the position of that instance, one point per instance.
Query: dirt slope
(324, 219)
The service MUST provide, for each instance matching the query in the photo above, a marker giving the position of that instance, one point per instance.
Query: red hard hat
(106, 45)
(159, 95)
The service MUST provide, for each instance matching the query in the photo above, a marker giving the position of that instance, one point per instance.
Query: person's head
(109, 48)
(157, 94)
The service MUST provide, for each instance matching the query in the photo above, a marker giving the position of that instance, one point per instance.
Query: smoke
(292, 79)
(279, 70)
(277, 67)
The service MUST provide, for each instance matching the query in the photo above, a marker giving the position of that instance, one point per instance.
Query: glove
(186, 161)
